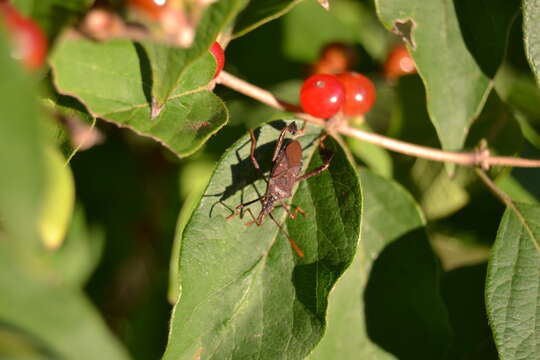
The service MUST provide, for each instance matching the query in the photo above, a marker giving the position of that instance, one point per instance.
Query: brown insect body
(287, 167)
(285, 173)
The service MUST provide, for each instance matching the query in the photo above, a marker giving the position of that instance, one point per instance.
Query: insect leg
(301, 130)
(293, 214)
(255, 220)
(290, 128)
(316, 171)
(240, 207)
(252, 154)
(293, 243)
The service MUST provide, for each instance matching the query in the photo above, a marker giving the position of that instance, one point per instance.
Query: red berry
(339, 57)
(398, 63)
(335, 58)
(30, 42)
(322, 95)
(153, 8)
(359, 93)
(219, 55)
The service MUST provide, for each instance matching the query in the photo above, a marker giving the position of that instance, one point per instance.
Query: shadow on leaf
(463, 292)
(484, 26)
(404, 310)
(146, 72)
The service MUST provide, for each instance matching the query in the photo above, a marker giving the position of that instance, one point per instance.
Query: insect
(287, 165)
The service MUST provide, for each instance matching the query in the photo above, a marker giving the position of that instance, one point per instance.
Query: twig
(479, 158)
(510, 204)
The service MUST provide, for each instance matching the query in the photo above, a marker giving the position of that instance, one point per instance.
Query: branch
(510, 204)
(479, 158)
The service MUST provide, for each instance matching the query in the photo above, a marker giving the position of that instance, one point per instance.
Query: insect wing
(293, 152)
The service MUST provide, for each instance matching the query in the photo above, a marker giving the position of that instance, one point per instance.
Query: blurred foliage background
(131, 189)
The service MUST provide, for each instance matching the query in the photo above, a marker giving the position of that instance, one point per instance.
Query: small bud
(102, 24)
(156, 109)
(325, 4)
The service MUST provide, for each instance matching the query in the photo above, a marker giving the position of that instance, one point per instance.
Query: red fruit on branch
(28, 38)
(359, 93)
(335, 58)
(398, 63)
(219, 55)
(322, 95)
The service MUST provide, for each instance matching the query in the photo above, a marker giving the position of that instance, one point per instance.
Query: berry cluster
(333, 88)
(30, 44)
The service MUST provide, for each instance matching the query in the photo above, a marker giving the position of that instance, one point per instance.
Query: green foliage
(389, 214)
(349, 22)
(456, 81)
(172, 68)
(260, 12)
(512, 297)
(240, 284)
(22, 190)
(120, 89)
(400, 259)
(531, 11)
(39, 300)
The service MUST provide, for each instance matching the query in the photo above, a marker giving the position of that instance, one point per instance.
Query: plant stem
(482, 158)
(510, 204)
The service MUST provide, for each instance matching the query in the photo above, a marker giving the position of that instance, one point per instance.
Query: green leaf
(35, 298)
(513, 284)
(260, 12)
(511, 186)
(244, 291)
(21, 146)
(194, 178)
(485, 27)
(393, 261)
(169, 64)
(439, 194)
(454, 65)
(68, 106)
(58, 201)
(531, 34)
(53, 15)
(16, 344)
(119, 91)
(61, 318)
(410, 118)
(520, 92)
(498, 127)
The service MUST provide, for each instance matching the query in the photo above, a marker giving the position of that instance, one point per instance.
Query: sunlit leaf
(244, 291)
(457, 47)
(531, 34)
(171, 65)
(119, 90)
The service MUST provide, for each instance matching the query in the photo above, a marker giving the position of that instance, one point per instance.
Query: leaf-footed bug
(287, 165)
